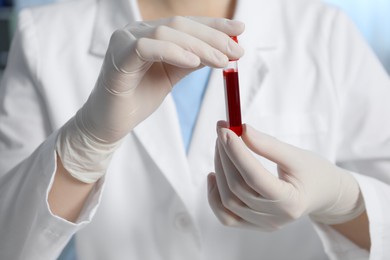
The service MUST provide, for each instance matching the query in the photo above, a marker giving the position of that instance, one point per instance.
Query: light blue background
(372, 17)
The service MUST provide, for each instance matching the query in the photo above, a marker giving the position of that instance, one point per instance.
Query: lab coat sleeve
(362, 136)
(28, 229)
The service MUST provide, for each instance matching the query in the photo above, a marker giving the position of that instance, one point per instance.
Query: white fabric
(306, 78)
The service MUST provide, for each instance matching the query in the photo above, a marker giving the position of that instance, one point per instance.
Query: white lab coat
(306, 78)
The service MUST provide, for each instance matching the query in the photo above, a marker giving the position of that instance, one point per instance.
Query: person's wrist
(348, 203)
(83, 157)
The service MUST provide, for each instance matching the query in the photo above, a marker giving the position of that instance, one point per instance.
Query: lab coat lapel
(260, 38)
(160, 136)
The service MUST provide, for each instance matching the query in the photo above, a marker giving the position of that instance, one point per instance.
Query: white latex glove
(243, 193)
(142, 64)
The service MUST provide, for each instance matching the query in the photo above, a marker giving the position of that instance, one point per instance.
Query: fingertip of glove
(249, 133)
(193, 60)
(211, 181)
(223, 135)
(237, 26)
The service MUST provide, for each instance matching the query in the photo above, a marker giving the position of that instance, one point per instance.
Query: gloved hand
(142, 64)
(243, 193)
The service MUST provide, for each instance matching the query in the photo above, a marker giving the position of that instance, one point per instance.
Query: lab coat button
(182, 222)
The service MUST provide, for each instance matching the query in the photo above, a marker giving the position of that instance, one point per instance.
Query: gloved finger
(251, 198)
(168, 52)
(226, 195)
(227, 26)
(234, 180)
(231, 203)
(251, 170)
(224, 215)
(228, 200)
(285, 155)
(213, 31)
(208, 55)
(210, 44)
(129, 54)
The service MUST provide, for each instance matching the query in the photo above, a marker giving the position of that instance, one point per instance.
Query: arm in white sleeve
(363, 89)
(28, 229)
(377, 197)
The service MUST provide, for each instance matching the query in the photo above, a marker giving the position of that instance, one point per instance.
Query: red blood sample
(232, 95)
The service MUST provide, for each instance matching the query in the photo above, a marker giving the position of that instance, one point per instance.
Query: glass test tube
(232, 95)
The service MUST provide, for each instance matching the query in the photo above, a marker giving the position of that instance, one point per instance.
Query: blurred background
(6, 10)
(372, 17)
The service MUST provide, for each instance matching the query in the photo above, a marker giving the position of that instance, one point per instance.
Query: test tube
(232, 95)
